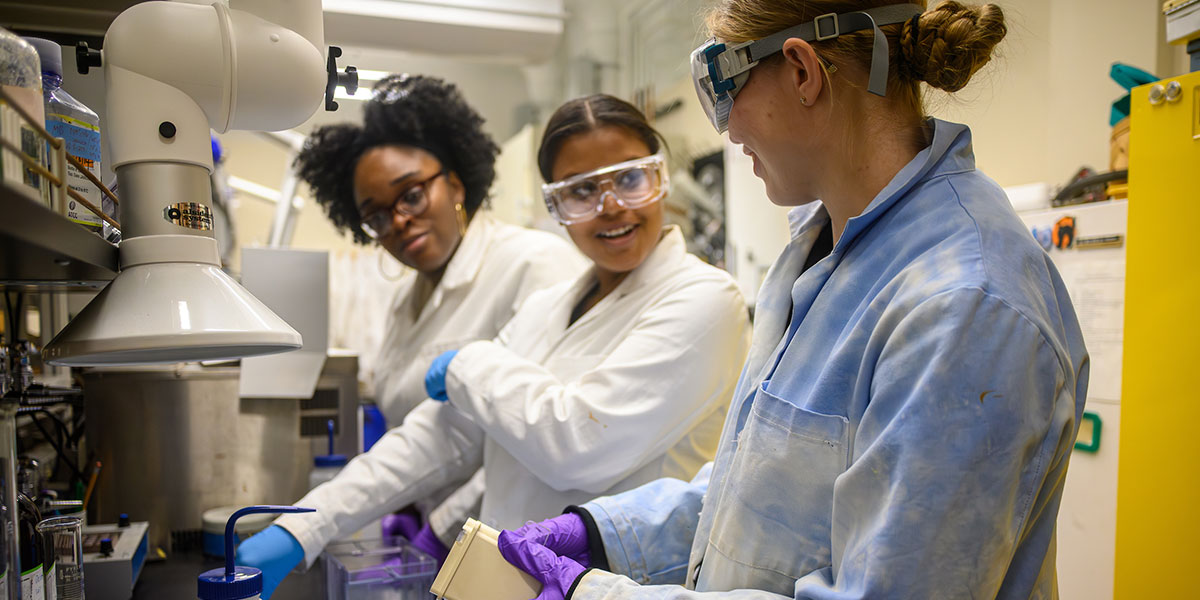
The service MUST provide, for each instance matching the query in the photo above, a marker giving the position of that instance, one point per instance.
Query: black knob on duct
(348, 79)
(85, 58)
(123, 520)
(106, 547)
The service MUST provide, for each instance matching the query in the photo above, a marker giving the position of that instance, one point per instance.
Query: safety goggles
(631, 184)
(720, 70)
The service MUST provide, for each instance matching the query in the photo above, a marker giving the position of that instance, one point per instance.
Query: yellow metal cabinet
(1158, 490)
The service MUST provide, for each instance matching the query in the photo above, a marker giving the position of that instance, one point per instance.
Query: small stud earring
(803, 100)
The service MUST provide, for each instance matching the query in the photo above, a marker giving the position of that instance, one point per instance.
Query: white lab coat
(496, 267)
(636, 389)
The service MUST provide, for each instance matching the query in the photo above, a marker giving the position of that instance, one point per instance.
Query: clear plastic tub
(371, 570)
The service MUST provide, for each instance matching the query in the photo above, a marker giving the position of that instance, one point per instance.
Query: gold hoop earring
(461, 213)
(382, 271)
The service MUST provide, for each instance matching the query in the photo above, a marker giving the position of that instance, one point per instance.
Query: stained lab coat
(636, 389)
(903, 424)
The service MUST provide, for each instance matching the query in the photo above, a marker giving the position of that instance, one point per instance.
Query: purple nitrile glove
(427, 542)
(405, 524)
(565, 534)
(556, 573)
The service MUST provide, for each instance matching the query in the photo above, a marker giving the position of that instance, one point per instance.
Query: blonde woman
(903, 424)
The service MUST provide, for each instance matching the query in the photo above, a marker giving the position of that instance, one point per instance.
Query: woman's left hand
(556, 573)
(435, 377)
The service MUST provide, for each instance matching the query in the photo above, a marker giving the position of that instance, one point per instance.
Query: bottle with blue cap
(237, 583)
(327, 466)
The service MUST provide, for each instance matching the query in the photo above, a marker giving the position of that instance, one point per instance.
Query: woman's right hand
(273, 551)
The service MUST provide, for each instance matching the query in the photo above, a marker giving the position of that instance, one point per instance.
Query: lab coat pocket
(773, 524)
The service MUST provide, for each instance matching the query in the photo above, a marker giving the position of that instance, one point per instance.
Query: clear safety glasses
(720, 70)
(632, 184)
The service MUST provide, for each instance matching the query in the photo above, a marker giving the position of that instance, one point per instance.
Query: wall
(1040, 109)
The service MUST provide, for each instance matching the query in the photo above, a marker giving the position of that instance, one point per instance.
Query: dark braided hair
(406, 110)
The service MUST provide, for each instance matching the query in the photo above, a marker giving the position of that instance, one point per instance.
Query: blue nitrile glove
(556, 573)
(435, 377)
(274, 552)
(427, 542)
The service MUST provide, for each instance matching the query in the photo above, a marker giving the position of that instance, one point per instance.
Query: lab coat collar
(950, 152)
(662, 261)
(468, 258)
(660, 264)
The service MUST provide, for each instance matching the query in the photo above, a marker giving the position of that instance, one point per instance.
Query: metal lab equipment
(177, 441)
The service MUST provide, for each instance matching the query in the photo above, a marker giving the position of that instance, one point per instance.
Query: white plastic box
(372, 570)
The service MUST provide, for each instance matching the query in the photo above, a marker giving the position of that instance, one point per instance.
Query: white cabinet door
(1095, 279)
(1087, 520)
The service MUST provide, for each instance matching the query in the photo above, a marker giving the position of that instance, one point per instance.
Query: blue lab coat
(903, 423)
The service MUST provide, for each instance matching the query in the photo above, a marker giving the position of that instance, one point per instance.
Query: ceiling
(523, 30)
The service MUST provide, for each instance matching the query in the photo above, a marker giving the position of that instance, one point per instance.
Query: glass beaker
(64, 538)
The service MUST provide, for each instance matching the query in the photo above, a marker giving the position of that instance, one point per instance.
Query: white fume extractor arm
(173, 71)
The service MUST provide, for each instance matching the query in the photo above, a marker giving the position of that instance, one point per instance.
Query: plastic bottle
(237, 583)
(326, 467)
(21, 79)
(6, 530)
(33, 576)
(79, 127)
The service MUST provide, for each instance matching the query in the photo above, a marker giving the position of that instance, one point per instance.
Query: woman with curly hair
(597, 385)
(413, 178)
(903, 425)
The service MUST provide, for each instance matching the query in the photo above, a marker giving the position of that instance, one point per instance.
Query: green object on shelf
(1094, 445)
(1128, 77)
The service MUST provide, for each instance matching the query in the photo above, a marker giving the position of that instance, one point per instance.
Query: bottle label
(33, 585)
(52, 583)
(83, 143)
(19, 133)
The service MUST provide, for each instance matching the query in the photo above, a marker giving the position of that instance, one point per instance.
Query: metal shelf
(43, 250)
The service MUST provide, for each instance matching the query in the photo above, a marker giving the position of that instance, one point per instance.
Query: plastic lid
(50, 53)
(246, 582)
(215, 519)
(330, 460)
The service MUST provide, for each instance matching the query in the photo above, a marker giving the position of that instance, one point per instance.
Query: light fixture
(259, 68)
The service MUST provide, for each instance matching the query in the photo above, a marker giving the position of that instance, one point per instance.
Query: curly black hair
(406, 110)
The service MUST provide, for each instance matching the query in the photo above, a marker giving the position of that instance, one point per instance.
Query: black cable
(57, 448)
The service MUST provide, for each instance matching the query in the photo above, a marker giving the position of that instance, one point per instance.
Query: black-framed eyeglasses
(411, 202)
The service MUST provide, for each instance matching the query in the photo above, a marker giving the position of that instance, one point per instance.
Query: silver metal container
(177, 440)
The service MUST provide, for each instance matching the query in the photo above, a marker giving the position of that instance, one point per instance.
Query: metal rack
(43, 250)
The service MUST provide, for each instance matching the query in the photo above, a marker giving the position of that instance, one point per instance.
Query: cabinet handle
(1094, 445)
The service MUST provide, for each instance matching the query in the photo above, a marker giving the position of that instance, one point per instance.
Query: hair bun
(946, 45)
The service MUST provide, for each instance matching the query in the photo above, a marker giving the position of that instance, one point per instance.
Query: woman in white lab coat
(596, 385)
(412, 178)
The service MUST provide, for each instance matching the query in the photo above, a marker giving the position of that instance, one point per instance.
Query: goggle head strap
(830, 26)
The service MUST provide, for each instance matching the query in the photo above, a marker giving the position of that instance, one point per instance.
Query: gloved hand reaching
(405, 524)
(427, 542)
(273, 551)
(435, 377)
(555, 552)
